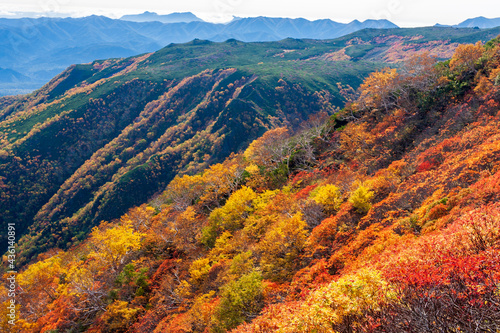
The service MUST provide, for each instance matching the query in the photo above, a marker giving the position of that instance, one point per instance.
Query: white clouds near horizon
(405, 13)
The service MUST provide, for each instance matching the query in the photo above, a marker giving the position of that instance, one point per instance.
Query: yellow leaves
(199, 270)
(223, 248)
(236, 209)
(182, 229)
(140, 217)
(328, 196)
(221, 178)
(361, 199)
(10, 311)
(281, 246)
(261, 202)
(377, 88)
(41, 274)
(252, 169)
(215, 182)
(111, 245)
(183, 191)
(333, 308)
(466, 57)
(78, 275)
(352, 295)
(270, 149)
(119, 316)
(342, 301)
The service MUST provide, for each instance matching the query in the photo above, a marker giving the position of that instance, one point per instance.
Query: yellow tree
(235, 211)
(328, 196)
(342, 304)
(270, 149)
(220, 180)
(378, 90)
(184, 191)
(182, 229)
(111, 245)
(466, 57)
(361, 198)
(140, 217)
(281, 246)
(39, 285)
(86, 289)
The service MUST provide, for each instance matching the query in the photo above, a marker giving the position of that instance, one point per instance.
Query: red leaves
(304, 193)
(426, 165)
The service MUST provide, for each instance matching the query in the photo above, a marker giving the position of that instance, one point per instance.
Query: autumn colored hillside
(384, 217)
(103, 137)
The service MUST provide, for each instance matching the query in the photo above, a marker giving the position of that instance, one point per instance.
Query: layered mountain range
(42, 48)
(34, 50)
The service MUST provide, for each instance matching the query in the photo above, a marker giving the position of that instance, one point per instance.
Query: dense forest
(105, 136)
(380, 217)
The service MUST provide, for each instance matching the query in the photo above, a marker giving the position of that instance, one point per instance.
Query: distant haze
(404, 13)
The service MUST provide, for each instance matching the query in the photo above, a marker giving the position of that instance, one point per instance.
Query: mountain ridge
(43, 47)
(178, 17)
(381, 217)
(479, 22)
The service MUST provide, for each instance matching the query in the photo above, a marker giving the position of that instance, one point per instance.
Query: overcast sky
(405, 13)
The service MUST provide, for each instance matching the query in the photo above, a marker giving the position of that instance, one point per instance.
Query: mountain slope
(71, 150)
(77, 151)
(41, 48)
(480, 22)
(104, 136)
(381, 218)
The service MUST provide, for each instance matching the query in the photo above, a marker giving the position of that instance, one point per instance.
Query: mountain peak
(177, 17)
(480, 22)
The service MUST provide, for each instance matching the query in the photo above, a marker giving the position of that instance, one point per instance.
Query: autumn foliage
(390, 223)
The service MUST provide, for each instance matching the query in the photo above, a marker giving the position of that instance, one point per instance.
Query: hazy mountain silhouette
(41, 48)
(480, 22)
(170, 18)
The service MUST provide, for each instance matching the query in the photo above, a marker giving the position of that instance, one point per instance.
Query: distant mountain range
(11, 76)
(480, 22)
(38, 49)
(170, 18)
(41, 48)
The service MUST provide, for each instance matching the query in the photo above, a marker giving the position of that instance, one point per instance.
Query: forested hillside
(383, 217)
(105, 136)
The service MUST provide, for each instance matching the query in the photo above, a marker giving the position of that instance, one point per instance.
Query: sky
(405, 13)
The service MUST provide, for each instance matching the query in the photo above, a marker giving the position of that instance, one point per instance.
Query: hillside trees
(391, 227)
